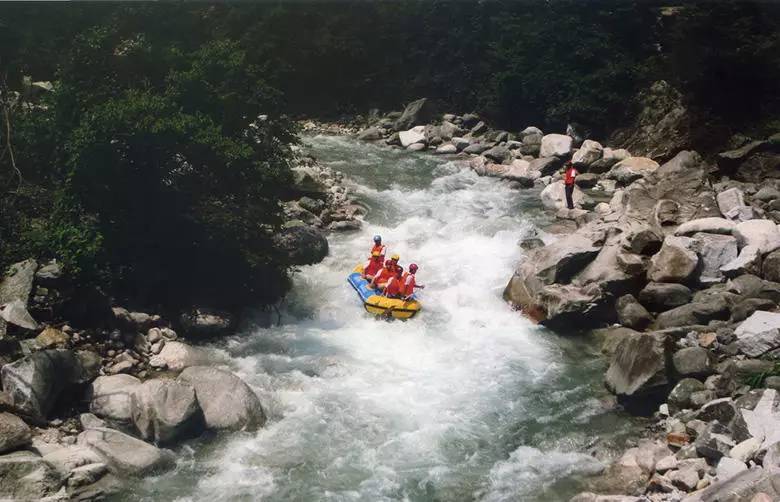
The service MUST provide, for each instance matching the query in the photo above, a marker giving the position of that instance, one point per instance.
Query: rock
(50, 273)
(715, 251)
(412, 136)
(302, 245)
(639, 366)
(87, 474)
(745, 308)
(772, 458)
(589, 152)
(744, 486)
(25, 476)
(417, 147)
(693, 362)
(112, 397)
(729, 200)
(745, 450)
(750, 286)
(707, 225)
(586, 180)
(176, 356)
(498, 154)
(592, 497)
(631, 169)
(476, 148)
(659, 296)
(460, 143)
(448, 130)
(70, 457)
(166, 411)
(372, 133)
(125, 455)
(546, 166)
(134, 321)
(470, 120)
(675, 262)
(644, 240)
(206, 323)
(759, 333)
(667, 463)
(555, 145)
(479, 129)
(770, 269)
(680, 396)
(312, 205)
(90, 421)
(609, 158)
(684, 479)
(18, 282)
(763, 234)
(715, 442)
(767, 194)
(611, 338)
(554, 196)
(227, 401)
(631, 314)
(51, 337)
(713, 308)
(728, 468)
(14, 433)
(747, 262)
(531, 243)
(416, 113)
(16, 313)
(446, 148)
(35, 382)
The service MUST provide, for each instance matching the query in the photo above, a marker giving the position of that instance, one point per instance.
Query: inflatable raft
(378, 304)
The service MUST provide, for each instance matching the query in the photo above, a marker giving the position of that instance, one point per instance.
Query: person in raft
(395, 259)
(409, 282)
(379, 247)
(372, 266)
(395, 285)
(568, 180)
(383, 276)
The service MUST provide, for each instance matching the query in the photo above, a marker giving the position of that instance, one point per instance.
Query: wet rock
(112, 397)
(165, 411)
(693, 362)
(611, 338)
(659, 296)
(227, 401)
(447, 148)
(206, 323)
(759, 333)
(498, 154)
(675, 262)
(14, 433)
(639, 366)
(631, 314)
(555, 145)
(25, 476)
(125, 455)
(372, 133)
(763, 234)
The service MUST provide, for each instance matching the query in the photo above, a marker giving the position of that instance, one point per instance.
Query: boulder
(611, 338)
(372, 133)
(111, 397)
(707, 225)
(693, 362)
(675, 262)
(715, 251)
(639, 366)
(470, 120)
(745, 308)
(531, 144)
(446, 149)
(631, 169)
(479, 129)
(659, 296)
(587, 180)
(412, 136)
(745, 450)
(165, 411)
(35, 382)
(302, 245)
(476, 148)
(770, 268)
(177, 355)
(763, 234)
(644, 240)
(448, 130)
(417, 147)
(498, 154)
(747, 262)
(416, 113)
(713, 308)
(205, 323)
(685, 479)
(555, 145)
(16, 313)
(14, 433)
(26, 476)
(547, 166)
(460, 143)
(608, 159)
(227, 401)
(554, 196)
(750, 286)
(17, 283)
(680, 396)
(631, 314)
(125, 455)
(752, 485)
(520, 171)
(590, 151)
(759, 333)
(563, 307)
(714, 442)
(70, 457)
(729, 200)
(51, 337)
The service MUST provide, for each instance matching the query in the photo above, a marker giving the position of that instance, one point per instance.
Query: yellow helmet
(395, 257)
(376, 253)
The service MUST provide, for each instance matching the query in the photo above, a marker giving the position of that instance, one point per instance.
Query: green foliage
(757, 380)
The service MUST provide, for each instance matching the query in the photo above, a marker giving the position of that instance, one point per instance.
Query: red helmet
(388, 263)
(413, 268)
(399, 271)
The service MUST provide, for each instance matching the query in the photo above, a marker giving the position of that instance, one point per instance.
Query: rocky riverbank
(672, 260)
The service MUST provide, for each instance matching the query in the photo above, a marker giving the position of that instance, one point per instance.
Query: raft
(378, 304)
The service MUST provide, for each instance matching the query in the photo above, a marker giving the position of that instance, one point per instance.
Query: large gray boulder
(25, 476)
(729, 202)
(419, 112)
(710, 225)
(35, 382)
(631, 169)
(763, 234)
(714, 442)
(372, 133)
(589, 152)
(498, 154)
(15, 289)
(693, 362)
(111, 397)
(608, 159)
(715, 251)
(632, 314)
(675, 262)
(303, 245)
(770, 268)
(125, 455)
(165, 411)
(547, 166)
(16, 313)
(759, 333)
(554, 196)
(640, 366)
(555, 145)
(413, 136)
(227, 401)
(660, 296)
(176, 356)
(748, 261)
(14, 433)
(680, 396)
(712, 308)
(206, 323)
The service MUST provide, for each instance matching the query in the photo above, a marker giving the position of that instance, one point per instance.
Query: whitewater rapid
(467, 401)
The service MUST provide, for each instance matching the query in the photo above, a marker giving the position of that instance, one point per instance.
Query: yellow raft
(381, 305)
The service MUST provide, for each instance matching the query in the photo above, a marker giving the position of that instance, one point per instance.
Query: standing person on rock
(570, 174)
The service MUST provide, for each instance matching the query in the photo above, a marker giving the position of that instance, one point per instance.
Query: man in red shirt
(568, 181)
(395, 286)
(409, 282)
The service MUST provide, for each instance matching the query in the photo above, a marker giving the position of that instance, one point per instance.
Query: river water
(467, 401)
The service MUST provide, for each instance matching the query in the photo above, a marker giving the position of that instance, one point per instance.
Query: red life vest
(384, 275)
(378, 248)
(571, 173)
(373, 266)
(409, 284)
(394, 287)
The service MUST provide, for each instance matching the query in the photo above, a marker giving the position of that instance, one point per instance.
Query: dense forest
(147, 171)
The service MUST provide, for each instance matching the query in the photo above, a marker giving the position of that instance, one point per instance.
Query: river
(467, 401)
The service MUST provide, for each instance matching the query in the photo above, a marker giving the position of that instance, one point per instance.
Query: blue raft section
(380, 305)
